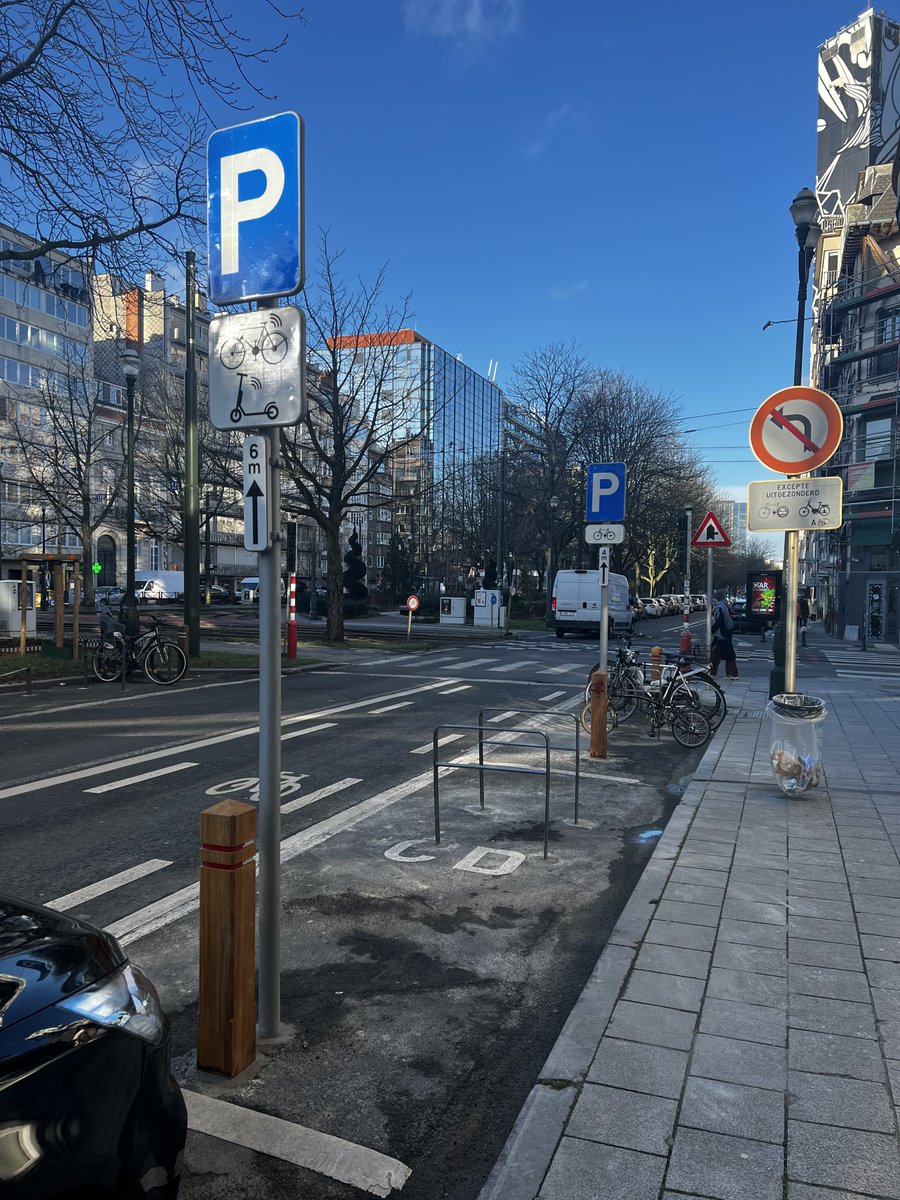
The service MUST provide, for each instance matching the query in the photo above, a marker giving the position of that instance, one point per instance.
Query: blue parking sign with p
(255, 209)
(605, 493)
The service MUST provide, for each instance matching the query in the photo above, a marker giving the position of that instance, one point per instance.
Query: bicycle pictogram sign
(256, 368)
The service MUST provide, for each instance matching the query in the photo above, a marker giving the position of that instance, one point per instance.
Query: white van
(576, 603)
(156, 587)
(248, 592)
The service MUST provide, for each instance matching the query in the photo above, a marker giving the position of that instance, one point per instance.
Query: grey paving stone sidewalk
(740, 1038)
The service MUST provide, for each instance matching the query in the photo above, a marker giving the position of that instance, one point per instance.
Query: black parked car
(89, 1106)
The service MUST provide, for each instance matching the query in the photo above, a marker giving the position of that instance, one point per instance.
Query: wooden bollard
(656, 658)
(226, 1013)
(599, 705)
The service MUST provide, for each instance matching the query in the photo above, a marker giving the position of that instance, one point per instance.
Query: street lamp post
(44, 597)
(551, 557)
(804, 211)
(130, 364)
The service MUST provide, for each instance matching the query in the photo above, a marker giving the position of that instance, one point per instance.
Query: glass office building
(444, 419)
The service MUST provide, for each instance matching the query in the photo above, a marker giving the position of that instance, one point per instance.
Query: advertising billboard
(764, 595)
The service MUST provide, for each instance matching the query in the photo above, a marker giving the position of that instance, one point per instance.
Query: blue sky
(616, 175)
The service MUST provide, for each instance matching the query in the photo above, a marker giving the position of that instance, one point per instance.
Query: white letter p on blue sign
(605, 493)
(255, 209)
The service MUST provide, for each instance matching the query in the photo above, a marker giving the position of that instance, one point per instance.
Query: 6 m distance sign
(780, 506)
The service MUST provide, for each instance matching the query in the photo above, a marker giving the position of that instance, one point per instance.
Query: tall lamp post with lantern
(804, 211)
(551, 557)
(130, 365)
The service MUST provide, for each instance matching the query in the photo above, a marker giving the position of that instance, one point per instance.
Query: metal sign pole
(603, 569)
(709, 594)
(792, 563)
(270, 757)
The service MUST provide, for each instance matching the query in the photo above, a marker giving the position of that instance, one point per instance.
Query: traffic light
(684, 536)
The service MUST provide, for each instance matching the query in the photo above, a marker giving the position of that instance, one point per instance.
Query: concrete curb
(525, 1159)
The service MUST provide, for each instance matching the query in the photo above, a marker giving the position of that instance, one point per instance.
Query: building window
(889, 325)
(155, 555)
(875, 439)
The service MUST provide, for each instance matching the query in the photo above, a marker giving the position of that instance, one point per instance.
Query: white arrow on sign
(604, 566)
(256, 493)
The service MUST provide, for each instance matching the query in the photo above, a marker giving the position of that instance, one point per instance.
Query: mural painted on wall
(859, 110)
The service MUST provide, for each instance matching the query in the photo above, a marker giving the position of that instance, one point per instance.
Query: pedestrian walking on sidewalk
(722, 649)
(802, 612)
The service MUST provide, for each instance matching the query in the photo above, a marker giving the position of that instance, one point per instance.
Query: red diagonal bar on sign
(779, 419)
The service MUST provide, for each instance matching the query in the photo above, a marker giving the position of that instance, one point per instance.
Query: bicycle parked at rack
(628, 683)
(162, 662)
(690, 701)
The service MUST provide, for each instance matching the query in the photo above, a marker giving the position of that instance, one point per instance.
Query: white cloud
(540, 134)
(567, 291)
(469, 23)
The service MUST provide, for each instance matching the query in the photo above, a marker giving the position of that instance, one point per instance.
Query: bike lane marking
(179, 904)
(121, 764)
(120, 783)
(429, 746)
(102, 886)
(376, 712)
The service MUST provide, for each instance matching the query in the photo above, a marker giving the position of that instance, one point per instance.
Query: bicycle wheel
(710, 698)
(612, 718)
(107, 662)
(625, 700)
(691, 727)
(165, 663)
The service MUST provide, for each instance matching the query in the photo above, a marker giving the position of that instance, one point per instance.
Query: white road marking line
(156, 915)
(121, 764)
(504, 716)
(429, 746)
(358, 1166)
(520, 662)
(433, 662)
(479, 662)
(309, 729)
(863, 675)
(463, 687)
(551, 696)
(102, 886)
(560, 670)
(320, 794)
(120, 783)
(376, 712)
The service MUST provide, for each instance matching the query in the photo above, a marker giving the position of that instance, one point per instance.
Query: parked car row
(668, 604)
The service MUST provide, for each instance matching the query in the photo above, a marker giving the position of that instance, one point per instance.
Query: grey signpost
(257, 383)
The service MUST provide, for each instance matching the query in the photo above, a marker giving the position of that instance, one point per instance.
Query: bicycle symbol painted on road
(266, 344)
(289, 784)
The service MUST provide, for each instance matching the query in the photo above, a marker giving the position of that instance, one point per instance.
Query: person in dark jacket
(722, 649)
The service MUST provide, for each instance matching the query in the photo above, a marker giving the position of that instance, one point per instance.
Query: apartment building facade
(856, 324)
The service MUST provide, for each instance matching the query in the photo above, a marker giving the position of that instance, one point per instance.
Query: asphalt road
(425, 984)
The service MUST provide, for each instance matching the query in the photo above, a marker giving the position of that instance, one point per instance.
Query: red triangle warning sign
(711, 533)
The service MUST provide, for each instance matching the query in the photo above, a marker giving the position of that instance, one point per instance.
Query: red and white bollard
(685, 645)
(292, 617)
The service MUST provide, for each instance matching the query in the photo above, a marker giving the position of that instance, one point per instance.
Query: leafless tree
(103, 116)
(361, 411)
(547, 386)
(70, 441)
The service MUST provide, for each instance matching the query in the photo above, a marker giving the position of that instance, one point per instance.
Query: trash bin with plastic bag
(795, 748)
